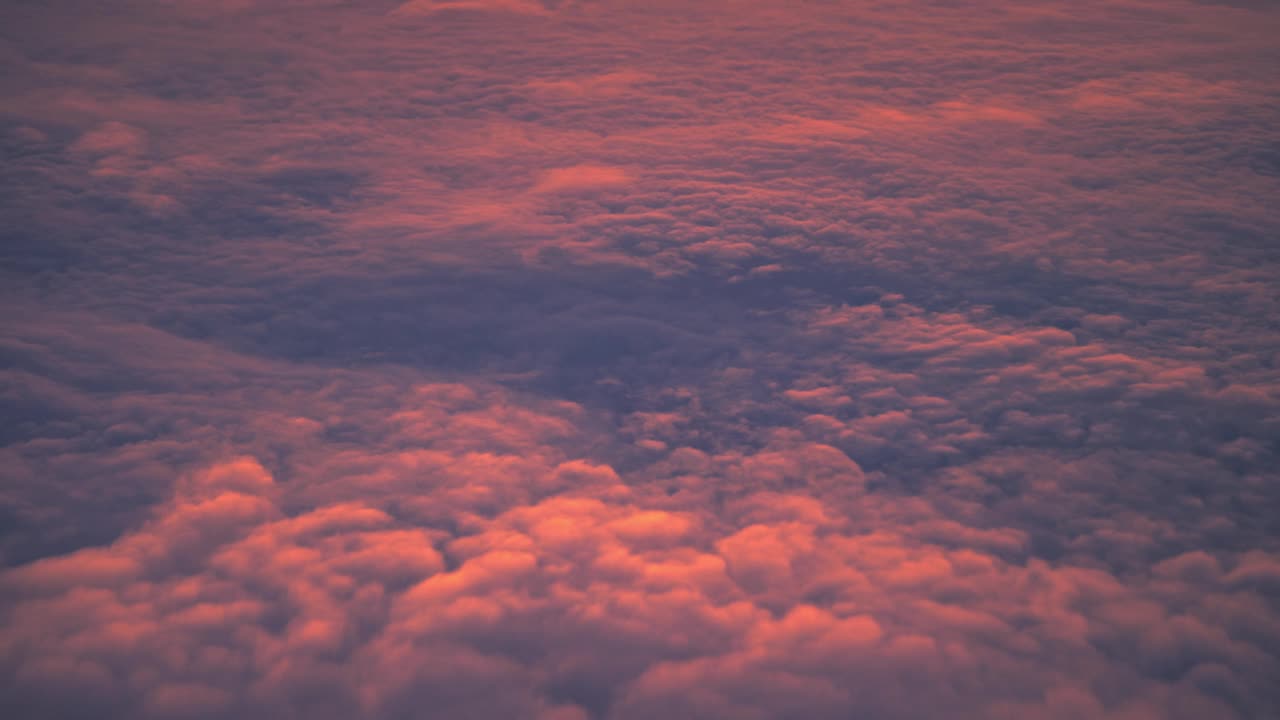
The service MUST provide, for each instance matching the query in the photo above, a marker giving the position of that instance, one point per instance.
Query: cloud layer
(611, 360)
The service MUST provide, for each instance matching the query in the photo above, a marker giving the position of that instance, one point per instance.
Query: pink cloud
(562, 360)
(580, 177)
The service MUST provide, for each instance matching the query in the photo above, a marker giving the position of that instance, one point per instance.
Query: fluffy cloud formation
(223, 604)
(610, 360)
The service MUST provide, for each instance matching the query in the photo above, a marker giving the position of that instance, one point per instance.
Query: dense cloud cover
(619, 360)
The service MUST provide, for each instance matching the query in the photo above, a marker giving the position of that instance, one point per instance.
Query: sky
(616, 360)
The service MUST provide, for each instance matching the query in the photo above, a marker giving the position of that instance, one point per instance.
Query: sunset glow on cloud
(613, 360)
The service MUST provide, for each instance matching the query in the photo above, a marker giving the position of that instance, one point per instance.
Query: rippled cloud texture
(623, 360)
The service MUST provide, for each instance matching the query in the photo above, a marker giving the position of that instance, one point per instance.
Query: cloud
(580, 177)
(111, 137)
(427, 7)
(350, 602)
(610, 360)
